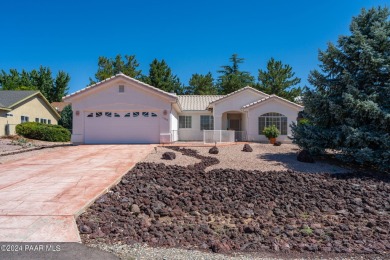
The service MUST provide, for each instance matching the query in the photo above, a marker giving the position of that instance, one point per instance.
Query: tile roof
(196, 102)
(269, 97)
(10, 97)
(116, 76)
(237, 91)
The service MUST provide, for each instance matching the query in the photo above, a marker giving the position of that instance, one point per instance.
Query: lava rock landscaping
(227, 210)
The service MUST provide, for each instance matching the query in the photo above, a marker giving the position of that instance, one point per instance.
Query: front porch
(233, 120)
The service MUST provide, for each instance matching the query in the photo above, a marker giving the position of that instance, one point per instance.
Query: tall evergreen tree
(66, 118)
(52, 88)
(279, 79)
(349, 109)
(202, 85)
(160, 76)
(231, 78)
(108, 67)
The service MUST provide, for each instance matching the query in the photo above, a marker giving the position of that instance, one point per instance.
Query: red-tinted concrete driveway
(41, 195)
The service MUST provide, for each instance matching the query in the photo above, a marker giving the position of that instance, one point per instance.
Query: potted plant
(271, 132)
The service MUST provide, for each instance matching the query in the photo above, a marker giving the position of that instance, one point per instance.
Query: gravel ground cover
(282, 213)
(265, 157)
(15, 148)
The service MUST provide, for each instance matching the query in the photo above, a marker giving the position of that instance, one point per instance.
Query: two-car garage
(136, 127)
(121, 110)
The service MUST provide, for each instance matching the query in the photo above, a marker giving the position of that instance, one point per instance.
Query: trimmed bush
(44, 132)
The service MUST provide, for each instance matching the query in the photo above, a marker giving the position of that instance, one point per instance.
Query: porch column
(218, 122)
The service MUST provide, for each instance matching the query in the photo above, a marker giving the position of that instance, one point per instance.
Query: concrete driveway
(41, 195)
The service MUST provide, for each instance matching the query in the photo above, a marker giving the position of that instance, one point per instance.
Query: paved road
(41, 195)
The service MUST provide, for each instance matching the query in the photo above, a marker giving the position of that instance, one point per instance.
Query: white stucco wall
(106, 97)
(194, 133)
(174, 125)
(233, 103)
(272, 105)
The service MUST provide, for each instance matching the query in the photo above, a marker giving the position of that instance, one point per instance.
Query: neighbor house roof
(59, 106)
(268, 98)
(120, 75)
(197, 102)
(11, 98)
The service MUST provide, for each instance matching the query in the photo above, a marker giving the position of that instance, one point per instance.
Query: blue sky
(192, 36)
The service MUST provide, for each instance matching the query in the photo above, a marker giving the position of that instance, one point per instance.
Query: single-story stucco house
(121, 109)
(18, 106)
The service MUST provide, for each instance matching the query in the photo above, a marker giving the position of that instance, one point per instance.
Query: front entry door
(234, 124)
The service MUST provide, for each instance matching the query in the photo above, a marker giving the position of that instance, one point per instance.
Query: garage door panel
(114, 127)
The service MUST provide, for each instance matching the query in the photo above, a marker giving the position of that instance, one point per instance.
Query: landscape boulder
(247, 148)
(214, 150)
(304, 156)
(277, 143)
(169, 156)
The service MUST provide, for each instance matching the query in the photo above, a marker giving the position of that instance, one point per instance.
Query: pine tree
(279, 79)
(108, 67)
(66, 118)
(202, 85)
(42, 80)
(160, 76)
(349, 109)
(232, 78)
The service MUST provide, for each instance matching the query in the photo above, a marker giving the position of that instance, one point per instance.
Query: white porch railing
(218, 136)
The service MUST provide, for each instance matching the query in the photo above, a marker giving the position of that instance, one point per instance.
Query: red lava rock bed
(227, 210)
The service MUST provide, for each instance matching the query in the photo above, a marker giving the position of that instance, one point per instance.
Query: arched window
(268, 119)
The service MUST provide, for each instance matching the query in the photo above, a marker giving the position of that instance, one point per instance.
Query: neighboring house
(124, 110)
(24, 106)
(59, 106)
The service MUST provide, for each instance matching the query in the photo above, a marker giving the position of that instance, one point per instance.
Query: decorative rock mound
(169, 156)
(214, 150)
(277, 143)
(304, 156)
(247, 148)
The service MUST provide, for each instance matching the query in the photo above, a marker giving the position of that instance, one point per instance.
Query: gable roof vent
(121, 88)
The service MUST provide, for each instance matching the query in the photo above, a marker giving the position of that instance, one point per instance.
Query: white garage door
(113, 127)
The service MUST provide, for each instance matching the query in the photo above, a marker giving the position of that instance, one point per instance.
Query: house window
(99, 114)
(135, 114)
(154, 114)
(269, 119)
(145, 114)
(185, 121)
(127, 114)
(90, 115)
(206, 122)
(121, 88)
(116, 115)
(37, 120)
(24, 119)
(43, 121)
(49, 121)
(108, 114)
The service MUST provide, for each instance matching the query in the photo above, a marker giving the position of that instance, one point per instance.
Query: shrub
(44, 132)
(271, 131)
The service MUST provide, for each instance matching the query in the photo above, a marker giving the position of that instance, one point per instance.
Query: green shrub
(44, 132)
(271, 131)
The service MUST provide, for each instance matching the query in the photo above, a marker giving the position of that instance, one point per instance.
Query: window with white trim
(272, 118)
(37, 120)
(49, 121)
(185, 121)
(43, 121)
(24, 119)
(206, 123)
